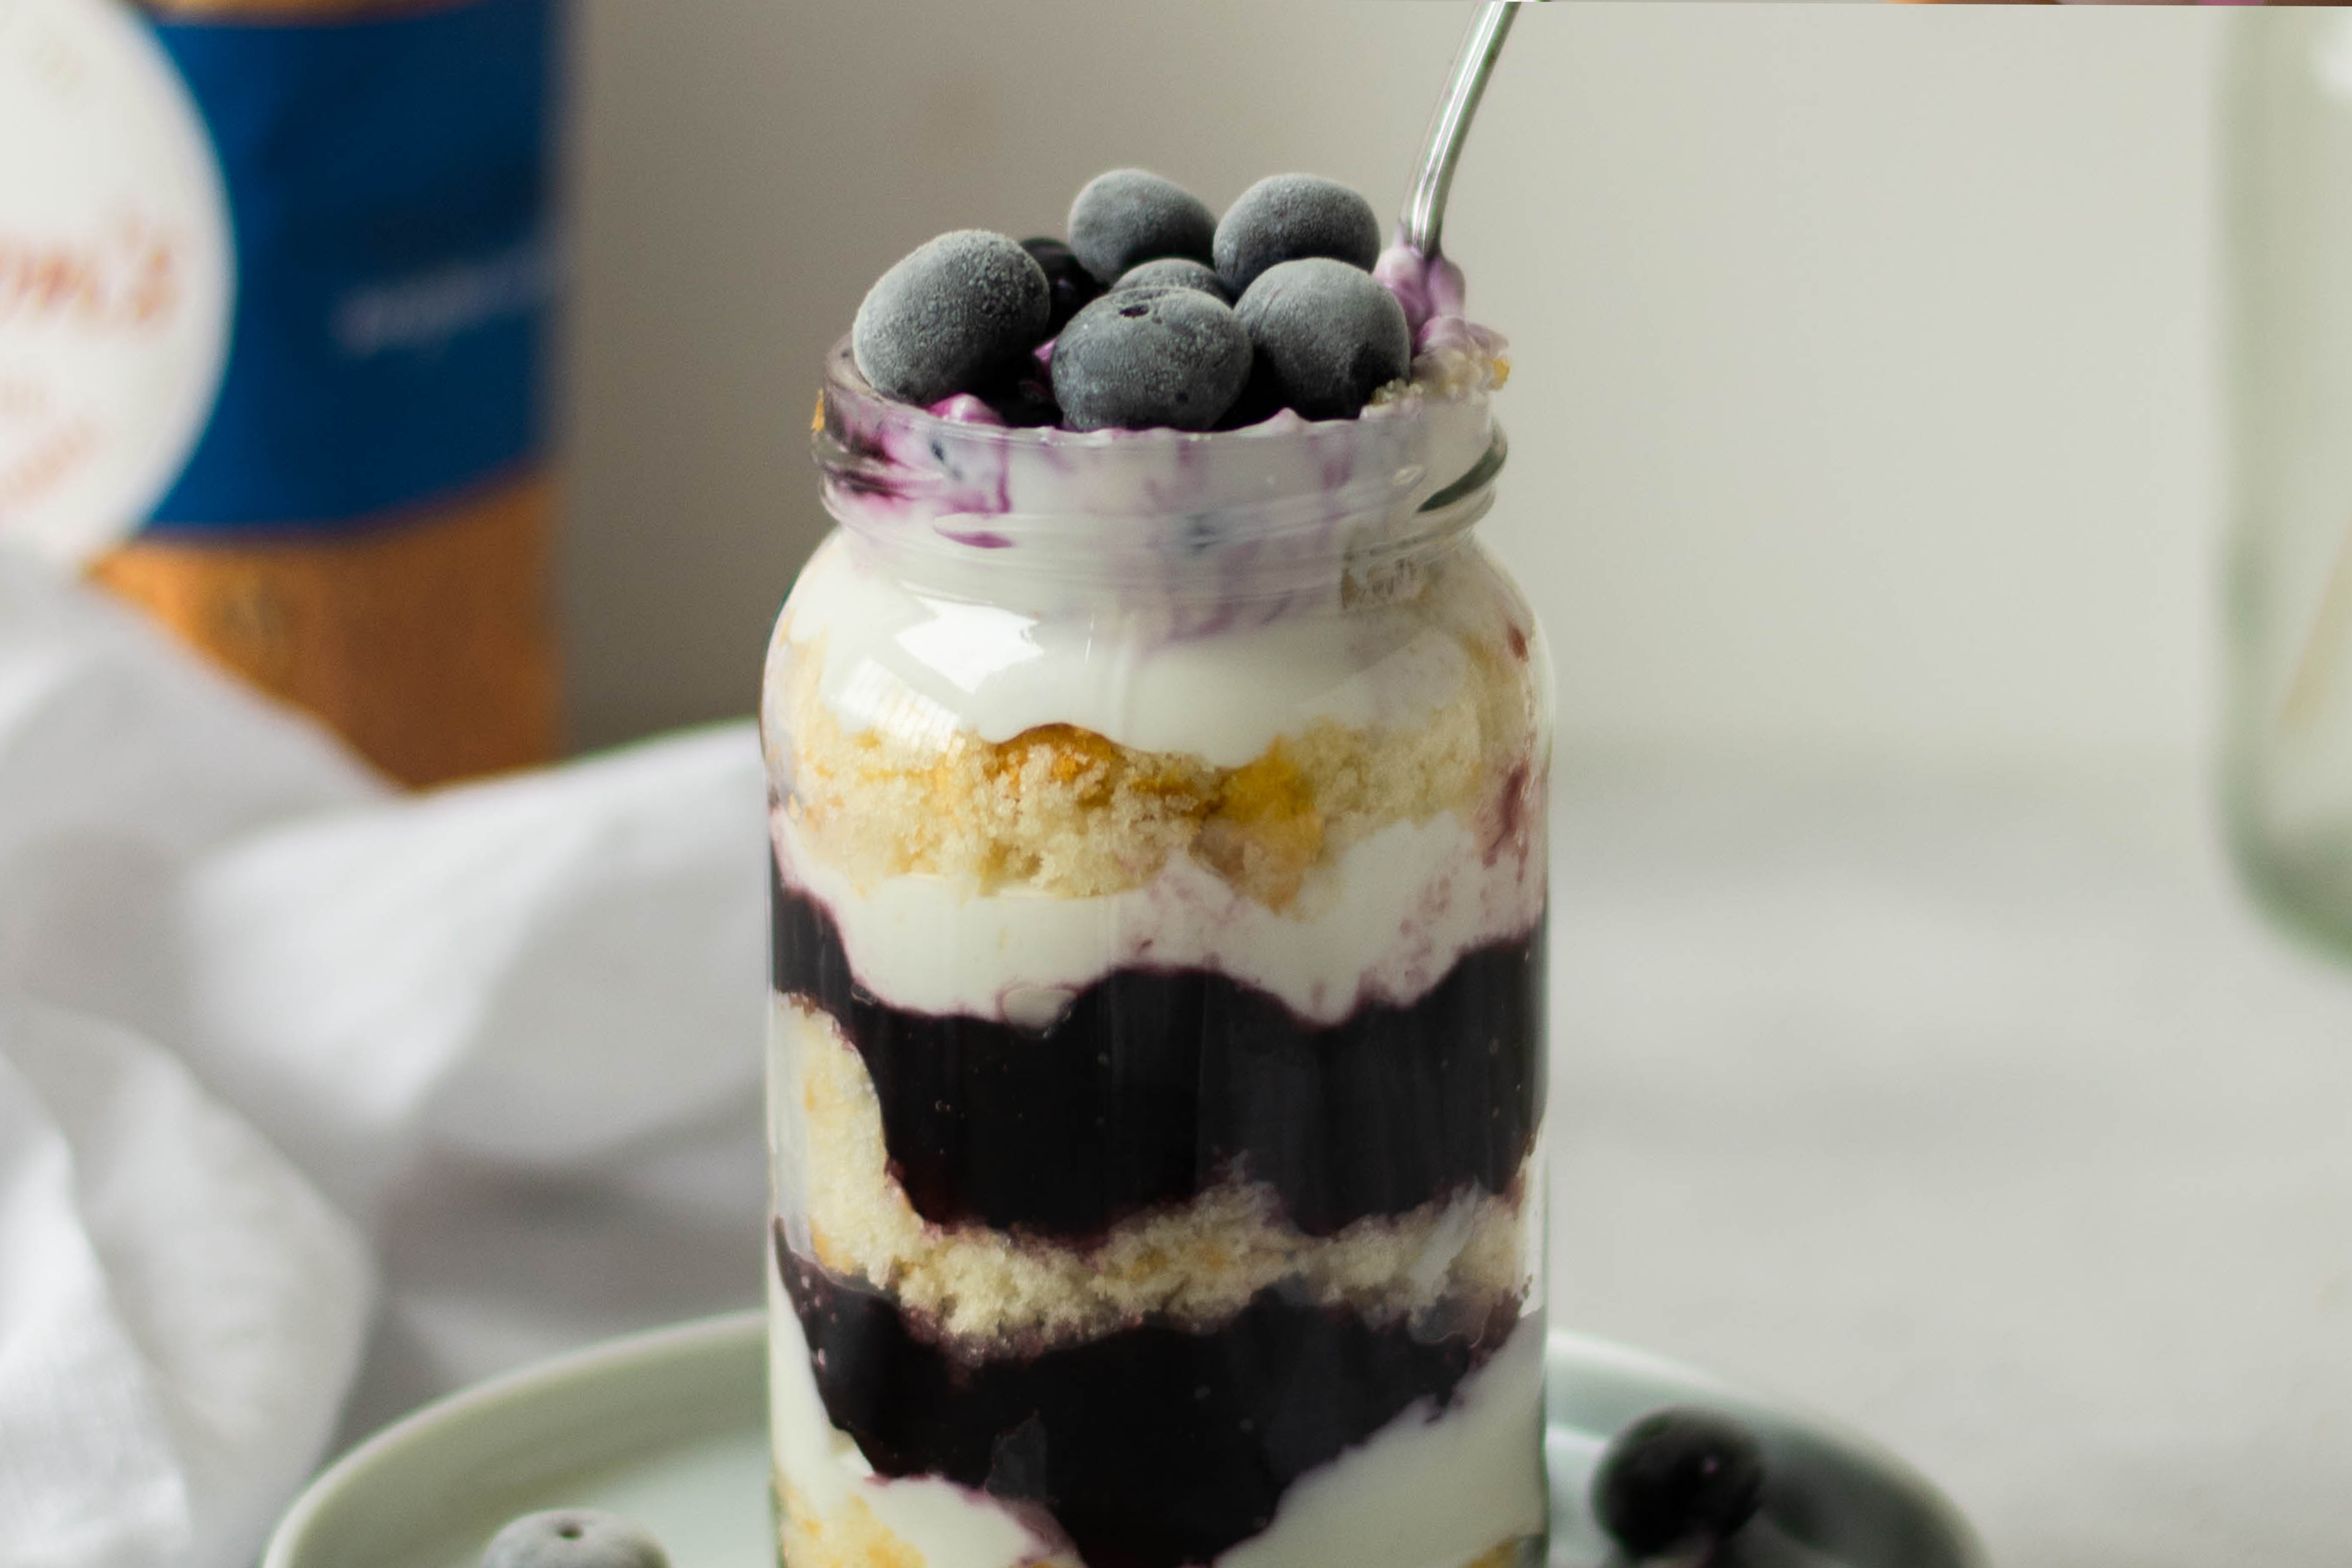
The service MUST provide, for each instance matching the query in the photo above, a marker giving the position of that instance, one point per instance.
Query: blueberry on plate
(1286, 218)
(1142, 358)
(574, 1538)
(1072, 285)
(1677, 1477)
(1174, 272)
(956, 313)
(1133, 215)
(1327, 335)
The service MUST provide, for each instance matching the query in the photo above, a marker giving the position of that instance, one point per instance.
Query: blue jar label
(388, 184)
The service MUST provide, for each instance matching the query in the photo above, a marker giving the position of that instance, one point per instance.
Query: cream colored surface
(1383, 923)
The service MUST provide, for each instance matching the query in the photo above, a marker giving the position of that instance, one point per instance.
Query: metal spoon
(1424, 208)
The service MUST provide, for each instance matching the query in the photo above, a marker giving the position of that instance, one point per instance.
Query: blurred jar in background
(2287, 218)
(275, 292)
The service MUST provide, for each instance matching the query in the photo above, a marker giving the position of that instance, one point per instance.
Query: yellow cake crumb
(850, 1537)
(1264, 832)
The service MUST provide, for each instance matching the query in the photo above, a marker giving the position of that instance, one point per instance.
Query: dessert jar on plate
(1157, 1057)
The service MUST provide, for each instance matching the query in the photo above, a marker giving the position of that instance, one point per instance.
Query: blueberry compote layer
(1153, 1085)
(1149, 1447)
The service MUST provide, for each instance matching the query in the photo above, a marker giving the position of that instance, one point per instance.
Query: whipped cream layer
(924, 664)
(1385, 922)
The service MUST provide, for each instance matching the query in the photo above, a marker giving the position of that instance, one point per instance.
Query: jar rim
(879, 456)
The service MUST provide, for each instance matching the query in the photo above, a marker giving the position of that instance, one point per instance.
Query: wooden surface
(424, 638)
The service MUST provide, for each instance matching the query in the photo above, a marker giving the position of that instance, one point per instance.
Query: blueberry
(1260, 400)
(1146, 357)
(1327, 334)
(574, 1538)
(957, 312)
(1677, 1477)
(1073, 286)
(1174, 272)
(1027, 403)
(1132, 214)
(1286, 218)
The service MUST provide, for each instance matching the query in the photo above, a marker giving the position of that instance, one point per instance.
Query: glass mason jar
(1157, 1058)
(2288, 247)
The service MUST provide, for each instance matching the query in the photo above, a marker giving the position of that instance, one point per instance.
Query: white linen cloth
(248, 995)
(179, 1310)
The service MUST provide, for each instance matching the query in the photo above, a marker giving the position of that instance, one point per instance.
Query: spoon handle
(1425, 209)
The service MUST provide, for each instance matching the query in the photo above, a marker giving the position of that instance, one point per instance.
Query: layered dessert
(1158, 774)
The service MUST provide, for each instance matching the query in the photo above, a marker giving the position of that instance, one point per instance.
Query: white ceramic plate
(670, 1428)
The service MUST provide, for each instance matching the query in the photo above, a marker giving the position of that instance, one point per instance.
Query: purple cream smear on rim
(1427, 285)
(964, 409)
(1435, 300)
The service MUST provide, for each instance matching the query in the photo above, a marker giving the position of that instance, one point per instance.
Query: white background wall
(1863, 407)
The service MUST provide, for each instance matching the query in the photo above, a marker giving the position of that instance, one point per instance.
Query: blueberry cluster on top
(1158, 312)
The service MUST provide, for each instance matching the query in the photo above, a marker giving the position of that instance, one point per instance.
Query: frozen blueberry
(1174, 272)
(1260, 400)
(1141, 358)
(1286, 218)
(1678, 1477)
(574, 1538)
(1027, 403)
(957, 313)
(1073, 286)
(1327, 334)
(1132, 214)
